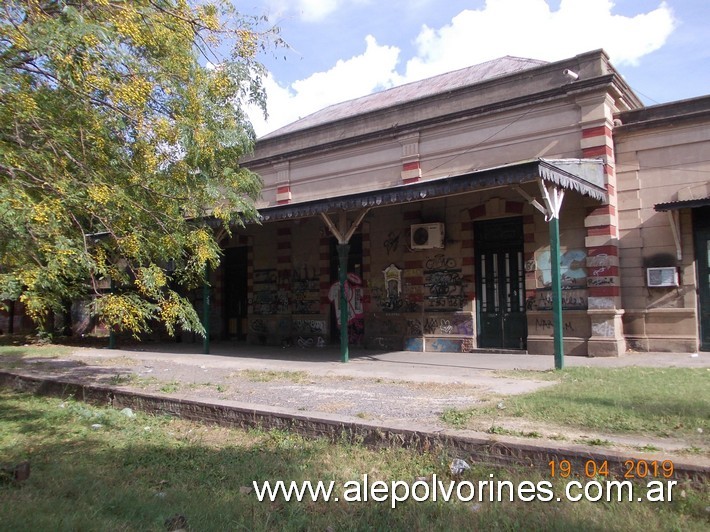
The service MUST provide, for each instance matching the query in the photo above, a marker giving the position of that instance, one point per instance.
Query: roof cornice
(497, 94)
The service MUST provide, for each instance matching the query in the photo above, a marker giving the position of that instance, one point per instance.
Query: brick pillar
(324, 271)
(284, 268)
(602, 240)
(283, 183)
(250, 276)
(468, 271)
(217, 310)
(366, 262)
(411, 169)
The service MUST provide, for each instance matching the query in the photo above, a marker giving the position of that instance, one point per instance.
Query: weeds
(101, 469)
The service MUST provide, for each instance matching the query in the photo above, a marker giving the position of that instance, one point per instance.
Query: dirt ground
(371, 387)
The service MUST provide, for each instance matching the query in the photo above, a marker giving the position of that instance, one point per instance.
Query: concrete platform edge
(473, 446)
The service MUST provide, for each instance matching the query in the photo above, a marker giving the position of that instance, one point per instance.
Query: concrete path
(467, 368)
(392, 389)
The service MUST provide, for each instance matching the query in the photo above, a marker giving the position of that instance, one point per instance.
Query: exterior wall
(575, 278)
(288, 283)
(551, 130)
(14, 320)
(290, 277)
(602, 241)
(534, 114)
(662, 157)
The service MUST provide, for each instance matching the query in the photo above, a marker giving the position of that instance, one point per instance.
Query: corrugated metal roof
(411, 91)
(684, 204)
(585, 176)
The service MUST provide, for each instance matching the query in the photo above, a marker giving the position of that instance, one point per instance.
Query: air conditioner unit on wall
(659, 277)
(427, 236)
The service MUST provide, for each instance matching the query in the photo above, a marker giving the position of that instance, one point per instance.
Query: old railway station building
(440, 193)
(439, 196)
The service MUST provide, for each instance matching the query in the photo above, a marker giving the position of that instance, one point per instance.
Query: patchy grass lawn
(17, 356)
(668, 402)
(101, 469)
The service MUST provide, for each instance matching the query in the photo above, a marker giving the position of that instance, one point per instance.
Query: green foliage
(121, 125)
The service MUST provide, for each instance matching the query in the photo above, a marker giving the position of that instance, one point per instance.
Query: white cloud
(308, 10)
(373, 70)
(526, 28)
(314, 10)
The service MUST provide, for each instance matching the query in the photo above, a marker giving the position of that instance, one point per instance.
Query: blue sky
(343, 49)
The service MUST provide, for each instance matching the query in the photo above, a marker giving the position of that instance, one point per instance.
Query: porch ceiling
(585, 176)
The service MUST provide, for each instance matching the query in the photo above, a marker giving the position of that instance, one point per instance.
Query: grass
(502, 431)
(13, 356)
(134, 473)
(267, 376)
(664, 402)
(170, 387)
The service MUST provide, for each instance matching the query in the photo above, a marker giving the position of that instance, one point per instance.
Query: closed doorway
(701, 228)
(500, 283)
(235, 293)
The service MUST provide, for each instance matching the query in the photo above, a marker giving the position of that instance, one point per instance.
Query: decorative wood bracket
(552, 197)
(343, 232)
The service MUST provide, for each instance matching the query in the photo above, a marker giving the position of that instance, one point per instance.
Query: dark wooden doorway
(701, 229)
(500, 284)
(236, 298)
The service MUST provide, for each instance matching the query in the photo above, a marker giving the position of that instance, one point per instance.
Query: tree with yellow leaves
(121, 125)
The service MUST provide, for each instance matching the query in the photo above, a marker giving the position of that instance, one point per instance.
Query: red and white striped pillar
(411, 165)
(283, 183)
(602, 239)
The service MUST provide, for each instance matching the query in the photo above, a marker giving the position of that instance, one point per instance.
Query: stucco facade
(663, 173)
(476, 288)
(437, 196)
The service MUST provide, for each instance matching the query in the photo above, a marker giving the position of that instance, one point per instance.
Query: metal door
(701, 227)
(500, 284)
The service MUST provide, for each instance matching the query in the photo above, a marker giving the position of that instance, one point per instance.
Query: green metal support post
(556, 291)
(343, 250)
(206, 311)
(111, 333)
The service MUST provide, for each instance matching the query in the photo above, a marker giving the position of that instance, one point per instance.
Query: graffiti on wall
(546, 326)
(573, 272)
(449, 345)
(384, 325)
(443, 285)
(457, 325)
(414, 327)
(572, 299)
(266, 299)
(388, 302)
(573, 278)
(353, 296)
(391, 243)
(309, 326)
(305, 290)
(310, 342)
(265, 276)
